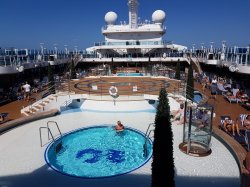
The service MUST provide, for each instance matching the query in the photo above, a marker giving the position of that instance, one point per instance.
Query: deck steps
(38, 107)
(26, 113)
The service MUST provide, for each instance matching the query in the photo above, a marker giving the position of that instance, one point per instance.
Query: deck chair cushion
(4, 114)
(243, 117)
(230, 98)
(247, 161)
(3, 117)
(247, 138)
(241, 139)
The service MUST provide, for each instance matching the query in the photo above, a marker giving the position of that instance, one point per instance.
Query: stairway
(38, 106)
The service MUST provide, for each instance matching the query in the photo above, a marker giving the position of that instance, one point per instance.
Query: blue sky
(27, 23)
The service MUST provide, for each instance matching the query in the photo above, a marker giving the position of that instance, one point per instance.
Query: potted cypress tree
(163, 173)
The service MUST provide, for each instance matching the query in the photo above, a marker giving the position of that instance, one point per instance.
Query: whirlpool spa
(99, 151)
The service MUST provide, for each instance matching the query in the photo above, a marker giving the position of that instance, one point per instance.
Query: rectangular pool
(129, 74)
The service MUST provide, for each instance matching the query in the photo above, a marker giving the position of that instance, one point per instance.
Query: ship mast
(133, 13)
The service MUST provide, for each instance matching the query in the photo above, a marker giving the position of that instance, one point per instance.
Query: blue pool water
(98, 152)
(129, 74)
(197, 97)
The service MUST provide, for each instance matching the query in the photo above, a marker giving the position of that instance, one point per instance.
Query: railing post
(189, 131)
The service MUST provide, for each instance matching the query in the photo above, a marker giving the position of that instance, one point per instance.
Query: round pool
(197, 96)
(99, 151)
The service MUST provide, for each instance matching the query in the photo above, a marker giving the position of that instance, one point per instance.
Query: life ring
(232, 68)
(113, 91)
(164, 55)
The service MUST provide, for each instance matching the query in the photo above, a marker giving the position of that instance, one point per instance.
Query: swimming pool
(197, 96)
(98, 151)
(129, 74)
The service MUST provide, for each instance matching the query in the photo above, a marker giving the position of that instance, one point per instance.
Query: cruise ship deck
(22, 139)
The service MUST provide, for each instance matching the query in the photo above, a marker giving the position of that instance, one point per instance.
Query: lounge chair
(231, 98)
(242, 118)
(239, 138)
(3, 117)
(221, 89)
(246, 105)
(247, 137)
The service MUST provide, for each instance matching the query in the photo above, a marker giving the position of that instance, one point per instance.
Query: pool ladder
(148, 132)
(58, 146)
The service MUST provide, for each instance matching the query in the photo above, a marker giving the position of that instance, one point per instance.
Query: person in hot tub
(119, 127)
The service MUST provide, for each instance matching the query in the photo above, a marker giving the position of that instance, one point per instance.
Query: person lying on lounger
(178, 114)
(242, 96)
(2, 117)
(230, 127)
(246, 122)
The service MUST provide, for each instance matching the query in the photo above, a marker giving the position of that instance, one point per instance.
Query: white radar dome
(158, 16)
(110, 18)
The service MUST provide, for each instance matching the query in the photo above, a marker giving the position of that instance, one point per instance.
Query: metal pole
(184, 123)
(189, 131)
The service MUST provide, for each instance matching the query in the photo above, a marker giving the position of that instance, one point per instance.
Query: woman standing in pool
(119, 127)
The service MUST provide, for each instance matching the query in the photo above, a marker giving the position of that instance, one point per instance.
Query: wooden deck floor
(221, 106)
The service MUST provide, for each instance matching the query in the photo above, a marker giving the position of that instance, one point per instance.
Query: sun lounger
(3, 117)
(238, 137)
(247, 135)
(221, 89)
(246, 105)
(231, 98)
(242, 118)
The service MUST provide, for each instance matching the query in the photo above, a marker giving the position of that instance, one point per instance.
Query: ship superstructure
(134, 39)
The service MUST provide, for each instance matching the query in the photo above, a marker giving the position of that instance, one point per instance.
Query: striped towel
(243, 118)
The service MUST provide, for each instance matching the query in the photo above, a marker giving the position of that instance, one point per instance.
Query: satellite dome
(110, 18)
(158, 16)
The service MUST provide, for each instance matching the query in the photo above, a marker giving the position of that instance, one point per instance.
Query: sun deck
(18, 172)
(22, 159)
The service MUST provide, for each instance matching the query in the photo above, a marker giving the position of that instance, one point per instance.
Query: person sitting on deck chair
(204, 121)
(246, 122)
(230, 127)
(178, 114)
(3, 117)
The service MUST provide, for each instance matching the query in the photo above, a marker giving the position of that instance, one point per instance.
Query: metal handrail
(53, 122)
(150, 124)
(49, 132)
(147, 134)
